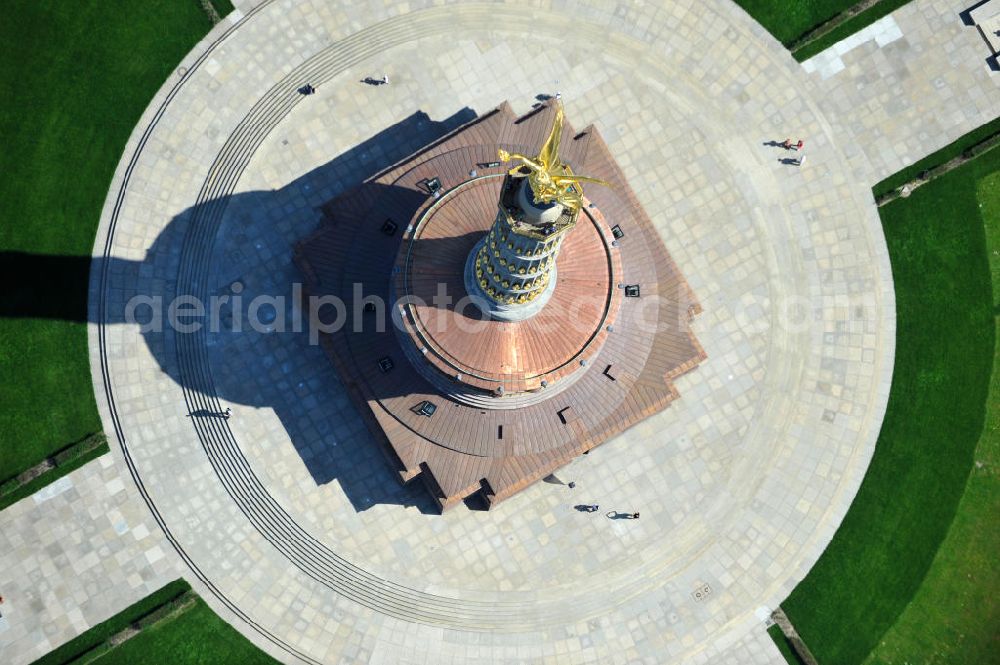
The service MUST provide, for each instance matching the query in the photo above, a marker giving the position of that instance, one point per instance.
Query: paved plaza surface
(78, 551)
(286, 518)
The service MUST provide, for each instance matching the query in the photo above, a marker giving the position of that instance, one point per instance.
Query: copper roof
(485, 353)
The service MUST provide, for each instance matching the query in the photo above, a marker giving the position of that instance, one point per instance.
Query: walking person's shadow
(207, 413)
(615, 515)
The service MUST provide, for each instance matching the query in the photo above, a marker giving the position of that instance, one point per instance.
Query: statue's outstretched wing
(571, 179)
(549, 154)
(550, 179)
(532, 164)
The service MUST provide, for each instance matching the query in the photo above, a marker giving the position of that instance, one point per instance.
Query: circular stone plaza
(258, 453)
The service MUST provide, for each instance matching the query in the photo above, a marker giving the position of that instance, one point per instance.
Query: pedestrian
(802, 160)
(593, 508)
(558, 95)
(798, 146)
(228, 412)
(385, 79)
(787, 144)
(635, 516)
(572, 485)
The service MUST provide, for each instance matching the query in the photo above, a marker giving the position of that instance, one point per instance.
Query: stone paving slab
(74, 554)
(829, 62)
(901, 99)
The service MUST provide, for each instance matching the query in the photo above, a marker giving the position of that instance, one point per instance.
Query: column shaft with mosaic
(511, 273)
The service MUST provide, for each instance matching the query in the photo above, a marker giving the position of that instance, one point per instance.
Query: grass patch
(950, 151)
(196, 637)
(223, 7)
(100, 633)
(72, 457)
(790, 21)
(847, 28)
(74, 78)
(954, 616)
(784, 646)
(174, 626)
(944, 358)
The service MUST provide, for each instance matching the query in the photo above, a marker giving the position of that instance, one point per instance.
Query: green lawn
(96, 636)
(784, 646)
(195, 637)
(944, 357)
(74, 79)
(177, 627)
(788, 20)
(954, 616)
(900, 178)
(847, 28)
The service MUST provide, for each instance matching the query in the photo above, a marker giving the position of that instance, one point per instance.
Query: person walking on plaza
(228, 412)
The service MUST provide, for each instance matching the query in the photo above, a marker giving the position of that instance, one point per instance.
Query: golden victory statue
(550, 179)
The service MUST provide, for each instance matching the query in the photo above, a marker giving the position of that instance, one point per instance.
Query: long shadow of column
(250, 255)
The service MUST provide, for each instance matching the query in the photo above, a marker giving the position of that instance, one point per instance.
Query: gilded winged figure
(550, 179)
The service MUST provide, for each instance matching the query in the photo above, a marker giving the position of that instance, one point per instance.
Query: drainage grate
(701, 592)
